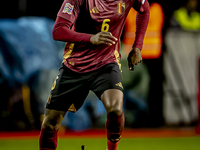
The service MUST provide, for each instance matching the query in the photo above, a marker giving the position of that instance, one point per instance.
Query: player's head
(192, 5)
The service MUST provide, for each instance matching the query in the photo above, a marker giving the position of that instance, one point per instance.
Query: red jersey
(87, 17)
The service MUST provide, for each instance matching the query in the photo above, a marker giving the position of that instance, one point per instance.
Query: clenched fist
(103, 38)
(134, 57)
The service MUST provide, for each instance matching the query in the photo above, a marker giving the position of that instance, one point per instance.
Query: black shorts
(70, 88)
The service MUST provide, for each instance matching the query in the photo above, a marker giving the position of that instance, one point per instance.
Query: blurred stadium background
(161, 97)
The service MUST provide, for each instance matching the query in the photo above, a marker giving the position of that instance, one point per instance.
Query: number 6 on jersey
(105, 25)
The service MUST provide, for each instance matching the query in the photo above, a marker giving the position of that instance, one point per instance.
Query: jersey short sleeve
(140, 5)
(70, 10)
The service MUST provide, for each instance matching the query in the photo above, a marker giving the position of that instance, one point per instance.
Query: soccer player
(91, 30)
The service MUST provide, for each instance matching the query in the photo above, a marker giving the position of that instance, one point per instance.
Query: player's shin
(48, 139)
(114, 126)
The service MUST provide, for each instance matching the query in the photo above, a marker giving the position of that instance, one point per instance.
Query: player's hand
(134, 57)
(103, 38)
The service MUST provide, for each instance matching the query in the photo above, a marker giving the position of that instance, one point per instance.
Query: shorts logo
(119, 84)
(68, 8)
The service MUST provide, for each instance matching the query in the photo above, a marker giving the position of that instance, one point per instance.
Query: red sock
(114, 126)
(48, 139)
(198, 129)
(111, 145)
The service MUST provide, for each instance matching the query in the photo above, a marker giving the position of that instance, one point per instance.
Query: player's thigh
(108, 87)
(68, 91)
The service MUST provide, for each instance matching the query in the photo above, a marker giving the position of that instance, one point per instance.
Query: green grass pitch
(184, 143)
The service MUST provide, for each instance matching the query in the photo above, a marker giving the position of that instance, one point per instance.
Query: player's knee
(113, 101)
(117, 110)
(50, 124)
(114, 106)
(114, 114)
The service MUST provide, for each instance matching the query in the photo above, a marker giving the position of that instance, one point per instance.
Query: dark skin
(112, 99)
(134, 57)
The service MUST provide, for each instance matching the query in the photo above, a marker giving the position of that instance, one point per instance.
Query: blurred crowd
(162, 91)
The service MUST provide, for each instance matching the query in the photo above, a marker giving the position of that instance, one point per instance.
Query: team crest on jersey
(68, 8)
(121, 7)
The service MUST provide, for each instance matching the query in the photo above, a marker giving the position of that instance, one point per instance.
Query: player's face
(192, 4)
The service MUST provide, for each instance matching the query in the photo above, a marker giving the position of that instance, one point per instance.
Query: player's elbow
(146, 12)
(146, 9)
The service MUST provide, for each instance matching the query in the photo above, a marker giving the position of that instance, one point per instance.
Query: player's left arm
(142, 7)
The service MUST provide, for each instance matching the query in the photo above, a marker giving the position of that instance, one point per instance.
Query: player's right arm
(65, 20)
